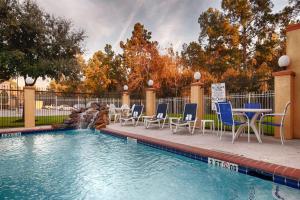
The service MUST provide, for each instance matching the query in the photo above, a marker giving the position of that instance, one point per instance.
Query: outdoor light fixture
(150, 83)
(125, 87)
(197, 76)
(284, 61)
(29, 81)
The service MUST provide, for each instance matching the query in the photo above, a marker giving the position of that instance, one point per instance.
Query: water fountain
(96, 116)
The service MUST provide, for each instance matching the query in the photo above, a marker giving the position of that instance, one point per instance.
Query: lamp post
(150, 83)
(197, 76)
(284, 61)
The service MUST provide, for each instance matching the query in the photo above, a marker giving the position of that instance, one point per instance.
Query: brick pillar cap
(125, 92)
(150, 89)
(198, 83)
(287, 72)
(292, 27)
(29, 87)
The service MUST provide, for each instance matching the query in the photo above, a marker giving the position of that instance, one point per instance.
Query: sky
(111, 21)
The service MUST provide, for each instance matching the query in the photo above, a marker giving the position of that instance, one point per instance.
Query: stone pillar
(126, 98)
(29, 106)
(292, 50)
(284, 92)
(150, 101)
(197, 96)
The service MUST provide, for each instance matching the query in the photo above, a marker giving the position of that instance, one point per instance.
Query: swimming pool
(84, 164)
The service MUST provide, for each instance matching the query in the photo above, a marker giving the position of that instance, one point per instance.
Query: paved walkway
(270, 150)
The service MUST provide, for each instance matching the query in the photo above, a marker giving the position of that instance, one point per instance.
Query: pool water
(85, 164)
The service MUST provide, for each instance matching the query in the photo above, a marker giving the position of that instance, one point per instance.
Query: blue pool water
(90, 165)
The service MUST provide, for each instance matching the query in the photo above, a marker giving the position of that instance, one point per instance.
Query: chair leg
(194, 128)
(233, 133)
(281, 135)
(248, 131)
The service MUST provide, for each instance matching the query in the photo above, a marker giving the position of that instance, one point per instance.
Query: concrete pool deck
(270, 151)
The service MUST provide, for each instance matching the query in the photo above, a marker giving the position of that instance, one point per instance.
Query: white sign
(224, 164)
(218, 94)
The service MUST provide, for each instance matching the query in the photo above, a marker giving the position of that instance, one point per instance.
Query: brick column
(292, 50)
(150, 101)
(197, 96)
(126, 98)
(284, 92)
(29, 106)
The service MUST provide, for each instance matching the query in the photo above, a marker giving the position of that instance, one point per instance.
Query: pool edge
(268, 171)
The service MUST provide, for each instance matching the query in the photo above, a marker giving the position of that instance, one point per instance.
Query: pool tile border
(272, 172)
(33, 130)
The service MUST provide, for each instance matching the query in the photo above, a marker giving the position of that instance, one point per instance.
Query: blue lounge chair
(161, 116)
(189, 118)
(226, 118)
(280, 125)
(135, 116)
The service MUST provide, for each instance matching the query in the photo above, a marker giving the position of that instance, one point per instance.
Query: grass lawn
(10, 122)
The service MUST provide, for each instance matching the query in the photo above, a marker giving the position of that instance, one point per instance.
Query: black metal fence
(11, 107)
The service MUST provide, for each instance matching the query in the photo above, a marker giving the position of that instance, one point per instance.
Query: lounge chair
(112, 114)
(226, 117)
(282, 115)
(161, 116)
(135, 116)
(189, 118)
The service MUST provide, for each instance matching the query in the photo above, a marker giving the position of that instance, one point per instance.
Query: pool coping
(273, 172)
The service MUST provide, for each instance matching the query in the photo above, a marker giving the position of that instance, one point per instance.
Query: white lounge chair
(161, 116)
(135, 116)
(189, 119)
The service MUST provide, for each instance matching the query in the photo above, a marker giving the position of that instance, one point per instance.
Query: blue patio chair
(219, 123)
(188, 120)
(281, 124)
(226, 117)
(250, 115)
(161, 116)
(135, 116)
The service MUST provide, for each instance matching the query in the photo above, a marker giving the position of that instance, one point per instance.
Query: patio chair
(123, 111)
(226, 117)
(112, 112)
(280, 125)
(161, 116)
(135, 116)
(189, 118)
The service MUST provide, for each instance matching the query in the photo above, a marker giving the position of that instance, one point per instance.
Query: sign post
(218, 94)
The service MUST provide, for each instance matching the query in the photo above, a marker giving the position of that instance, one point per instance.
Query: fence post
(197, 96)
(29, 106)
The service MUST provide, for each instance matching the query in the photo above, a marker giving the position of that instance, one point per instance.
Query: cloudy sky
(110, 21)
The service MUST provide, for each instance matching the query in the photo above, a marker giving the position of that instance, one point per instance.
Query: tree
(241, 43)
(44, 46)
(104, 72)
(141, 58)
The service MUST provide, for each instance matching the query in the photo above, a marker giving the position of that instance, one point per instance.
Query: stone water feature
(96, 116)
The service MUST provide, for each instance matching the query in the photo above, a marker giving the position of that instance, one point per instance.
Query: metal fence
(11, 107)
(175, 104)
(51, 107)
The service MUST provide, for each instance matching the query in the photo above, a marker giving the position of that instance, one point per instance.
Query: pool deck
(270, 155)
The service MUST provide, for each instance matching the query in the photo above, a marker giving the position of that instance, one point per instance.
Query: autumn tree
(104, 72)
(141, 59)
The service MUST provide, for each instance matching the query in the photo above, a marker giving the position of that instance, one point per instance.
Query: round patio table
(257, 113)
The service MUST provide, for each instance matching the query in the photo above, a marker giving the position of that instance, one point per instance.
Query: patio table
(253, 120)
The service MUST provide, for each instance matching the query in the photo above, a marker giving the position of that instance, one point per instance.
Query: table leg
(254, 128)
